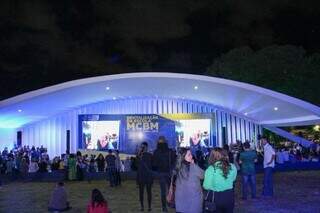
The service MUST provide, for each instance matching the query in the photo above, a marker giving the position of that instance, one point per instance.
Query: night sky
(47, 42)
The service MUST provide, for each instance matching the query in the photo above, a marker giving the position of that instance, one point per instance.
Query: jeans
(164, 180)
(267, 182)
(248, 179)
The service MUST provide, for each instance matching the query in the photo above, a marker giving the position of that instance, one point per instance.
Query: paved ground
(295, 192)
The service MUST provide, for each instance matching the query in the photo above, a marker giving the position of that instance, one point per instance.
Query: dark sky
(47, 42)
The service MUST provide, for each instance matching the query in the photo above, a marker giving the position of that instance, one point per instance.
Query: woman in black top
(100, 163)
(144, 174)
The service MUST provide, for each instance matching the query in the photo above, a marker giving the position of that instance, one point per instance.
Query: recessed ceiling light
(19, 110)
(114, 98)
(275, 109)
(107, 88)
(246, 113)
(195, 87)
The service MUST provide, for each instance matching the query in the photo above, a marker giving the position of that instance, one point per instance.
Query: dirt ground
(294, 192)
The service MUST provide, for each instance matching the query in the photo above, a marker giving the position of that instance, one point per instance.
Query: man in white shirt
(268, 165)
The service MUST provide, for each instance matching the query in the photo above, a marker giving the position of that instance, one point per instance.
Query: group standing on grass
(196, 188)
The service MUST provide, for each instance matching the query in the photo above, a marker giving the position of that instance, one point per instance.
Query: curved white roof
(265, 106)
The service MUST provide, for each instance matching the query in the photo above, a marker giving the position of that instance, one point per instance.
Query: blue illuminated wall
(7, 138)
(52, 132)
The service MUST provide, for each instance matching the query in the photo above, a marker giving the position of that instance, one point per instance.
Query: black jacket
(163, 159)
(145, 174)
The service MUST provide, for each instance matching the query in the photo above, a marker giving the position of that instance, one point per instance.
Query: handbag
(171, 193)
(209, 204)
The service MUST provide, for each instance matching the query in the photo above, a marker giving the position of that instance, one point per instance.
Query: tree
(286, 69)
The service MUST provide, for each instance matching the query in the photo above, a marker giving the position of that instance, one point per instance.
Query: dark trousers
(267, 182)
(90, 175)
(224, 201)
(118, 178)
(100, 169)
(164, 180)
(80, 173)
(112, 176)
(50, 209)
(141, 193)
(248, 180)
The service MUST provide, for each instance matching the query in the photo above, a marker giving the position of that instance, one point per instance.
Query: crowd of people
(22, 162)
(208, 178)
(298, 153)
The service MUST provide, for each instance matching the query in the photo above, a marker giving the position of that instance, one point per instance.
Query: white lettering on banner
(154, 126)
(130, 126)
(143, 123)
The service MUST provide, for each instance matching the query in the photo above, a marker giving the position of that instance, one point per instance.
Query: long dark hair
(143, 149)
(220, 155)
(182, 166)
(97, 198)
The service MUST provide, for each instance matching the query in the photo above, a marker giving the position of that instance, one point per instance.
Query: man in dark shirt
(111, 168)
(247, 160)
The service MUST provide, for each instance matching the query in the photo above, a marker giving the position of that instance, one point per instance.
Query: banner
(148, 128)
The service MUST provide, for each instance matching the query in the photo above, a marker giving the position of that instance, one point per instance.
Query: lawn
(294, 192)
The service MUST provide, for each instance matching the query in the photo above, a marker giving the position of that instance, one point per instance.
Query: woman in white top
(33, 167)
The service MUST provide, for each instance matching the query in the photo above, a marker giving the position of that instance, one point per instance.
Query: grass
(294, 192)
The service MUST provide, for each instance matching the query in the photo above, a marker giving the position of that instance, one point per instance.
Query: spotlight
(107, 88)
(275, 109)
(19, 110)
(195, 87)
(114, 98)
(140, 135)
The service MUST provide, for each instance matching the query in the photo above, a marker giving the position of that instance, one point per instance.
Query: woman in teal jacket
(219, 178)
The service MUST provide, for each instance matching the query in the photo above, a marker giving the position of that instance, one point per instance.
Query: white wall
(7, 138)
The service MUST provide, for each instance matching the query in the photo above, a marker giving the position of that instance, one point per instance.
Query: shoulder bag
(209, 205)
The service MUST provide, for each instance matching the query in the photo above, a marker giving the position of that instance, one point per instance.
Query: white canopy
(264, 106)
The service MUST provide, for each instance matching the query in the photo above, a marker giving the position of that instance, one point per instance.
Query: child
(97, 204)
(59, 201)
